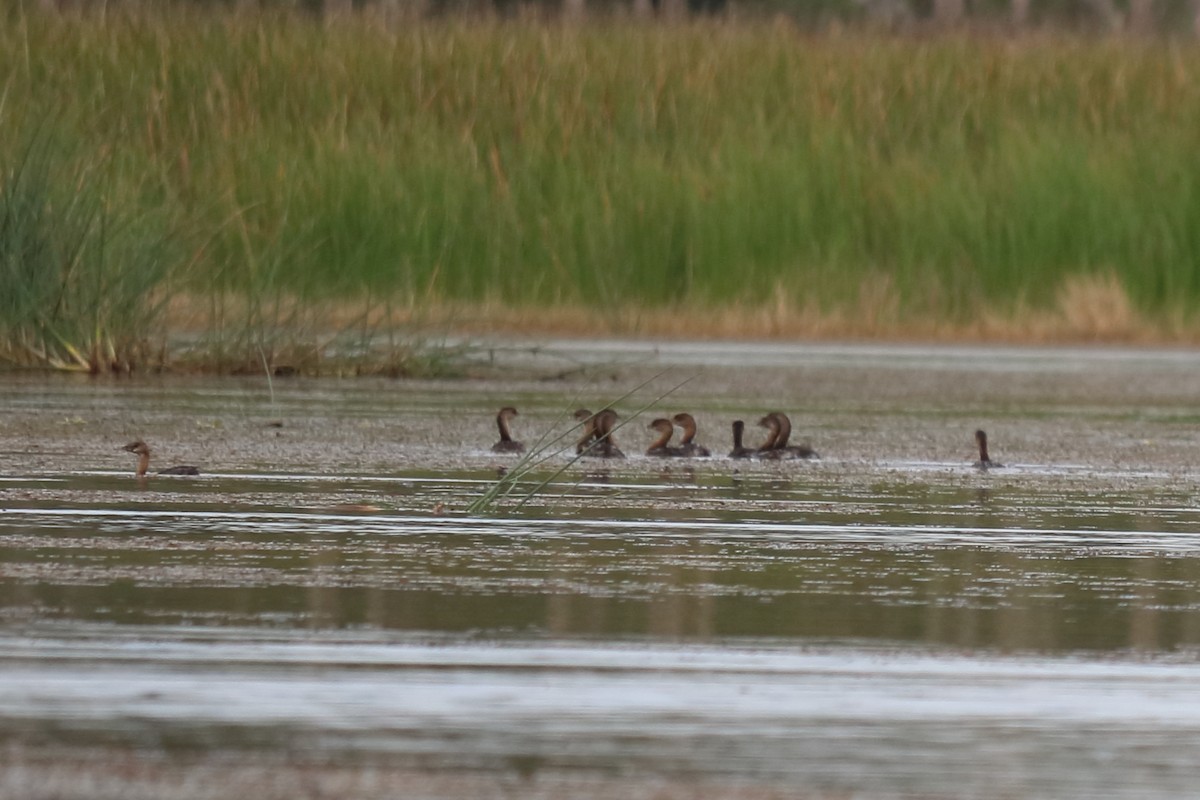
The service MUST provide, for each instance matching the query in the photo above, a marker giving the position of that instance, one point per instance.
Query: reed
(79, 283)
(899, 183)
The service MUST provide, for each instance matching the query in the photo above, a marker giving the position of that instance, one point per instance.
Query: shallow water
(885, 622)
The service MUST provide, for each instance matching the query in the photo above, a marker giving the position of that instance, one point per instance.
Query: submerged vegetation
(287, 190)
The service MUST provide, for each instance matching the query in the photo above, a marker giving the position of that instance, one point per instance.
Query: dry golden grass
(1097, 306)
(1088, 308)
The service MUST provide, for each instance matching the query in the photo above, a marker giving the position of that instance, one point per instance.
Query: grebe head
(506, 444)
(739, 429)
(662, 425)
(981, 440)
(774, 426)
(661, 446)
(142, 451)
(684, 420)
(688, 423)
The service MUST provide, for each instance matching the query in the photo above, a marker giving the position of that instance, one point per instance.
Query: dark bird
(142, 450)
(777, 446)
(507, 444)
(597, 438)
(661, 447)
(984, 461)
(687, 447)
(738, 450)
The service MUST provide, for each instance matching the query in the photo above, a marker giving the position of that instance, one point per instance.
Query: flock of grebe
(598, 441)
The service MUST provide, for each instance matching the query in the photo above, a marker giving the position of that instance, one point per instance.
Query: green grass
(612, 165)
(80, 286)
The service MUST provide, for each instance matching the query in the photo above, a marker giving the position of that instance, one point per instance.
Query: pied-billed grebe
(687, 447)
(661, 447)
(771, 423)
(738, 451)
(588, 438)
(777, 446)
(597, 439)
(143, 452)
(984, 461)
(507, 444)
(606, 423)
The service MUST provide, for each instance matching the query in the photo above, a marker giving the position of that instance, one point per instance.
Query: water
(887, 622)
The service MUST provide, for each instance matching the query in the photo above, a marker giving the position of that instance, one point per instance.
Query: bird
(588, 438)
(507, 444)
(142, 450)
(739, 451)
(661, 447)
(777, 446)
(597, 439)
(984, 462)
(687, 447)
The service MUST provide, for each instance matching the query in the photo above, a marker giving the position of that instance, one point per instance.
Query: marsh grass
(1087, 308)
(80, 285)
(234, 334)
(848, 182)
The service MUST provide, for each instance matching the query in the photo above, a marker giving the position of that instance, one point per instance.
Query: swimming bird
(984, 461)
(142, 450)
(507, 444)
(661, 446)
(589, 429)
(687, 447)
(597, 439)
(606, 423)
(738, 450)
(777, 446)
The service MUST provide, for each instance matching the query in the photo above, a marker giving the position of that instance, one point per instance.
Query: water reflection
(559, 580)
(865, 620)
(598, 476)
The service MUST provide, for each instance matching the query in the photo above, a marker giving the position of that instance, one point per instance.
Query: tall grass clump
(617, 165)
(81, 287)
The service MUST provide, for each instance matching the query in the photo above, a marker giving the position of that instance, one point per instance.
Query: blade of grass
(539, 455)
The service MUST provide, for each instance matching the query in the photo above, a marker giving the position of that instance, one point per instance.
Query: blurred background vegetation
(265, 179)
